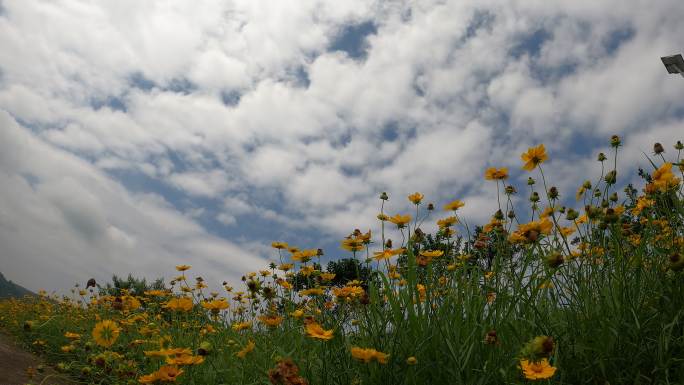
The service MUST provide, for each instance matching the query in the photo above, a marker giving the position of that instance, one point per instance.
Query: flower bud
(601, 157)
(384, 196)
(658, 148)
(615, 141)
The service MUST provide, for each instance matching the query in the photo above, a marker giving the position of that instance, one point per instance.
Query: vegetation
(10, 289)
(585, 295)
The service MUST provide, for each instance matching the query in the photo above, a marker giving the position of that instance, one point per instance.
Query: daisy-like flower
(534, 157)
(416, 198)
(368, 355)
(496, 174)
(539, 370)
(400, 220)
(315, 330)
(454, 205)
(105, 333)
(183, 267)
(246, 350)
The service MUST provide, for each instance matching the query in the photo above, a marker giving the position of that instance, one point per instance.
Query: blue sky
(139, 135)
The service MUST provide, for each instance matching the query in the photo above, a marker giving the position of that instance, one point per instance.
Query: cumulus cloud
(179, 130)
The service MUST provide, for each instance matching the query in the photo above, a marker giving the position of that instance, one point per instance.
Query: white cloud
(446, 89)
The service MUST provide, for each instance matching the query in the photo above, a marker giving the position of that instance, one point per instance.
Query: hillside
(11, 289)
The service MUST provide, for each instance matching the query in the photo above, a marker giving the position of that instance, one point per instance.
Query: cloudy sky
(136, 135)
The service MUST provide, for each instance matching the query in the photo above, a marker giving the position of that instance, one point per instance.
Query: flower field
(588, 294)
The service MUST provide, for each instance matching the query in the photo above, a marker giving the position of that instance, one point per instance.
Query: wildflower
(349, 291)
(453, 205)
(304, 255)
(184, 359)
(72, 336)
(241, 326)
(383, 217)
(367, 355)
(530, 232)
(537, 370)
(416, 198)
(314, 330)
(491, 338)
(285, 266)
(533, 157)
(183, 267)
(166, 373)
(662, 179)
(286, 373)
(299, 313)
(279, 245)
(411, 360)
(179, 304)
(311, 292)
(216, 305)
(432, 253)
(246, 350)
(105, 333)
(326, 277)
(494, 174)
(271, 320)
(400, 220)
(447, 222)
(352, 244)
(387, 253)
(284, 284)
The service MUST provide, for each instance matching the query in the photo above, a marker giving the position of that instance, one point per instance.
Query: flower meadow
(586, 290)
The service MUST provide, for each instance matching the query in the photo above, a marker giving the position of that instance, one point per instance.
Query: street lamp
(674, 64)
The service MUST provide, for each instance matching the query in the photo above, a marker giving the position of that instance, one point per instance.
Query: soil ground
(14, 362)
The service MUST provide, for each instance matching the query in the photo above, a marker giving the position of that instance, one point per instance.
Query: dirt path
(13, 364)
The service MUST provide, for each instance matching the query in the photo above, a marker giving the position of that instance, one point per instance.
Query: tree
(135, 286)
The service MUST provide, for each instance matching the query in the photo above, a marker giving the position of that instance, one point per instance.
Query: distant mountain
(10, 289)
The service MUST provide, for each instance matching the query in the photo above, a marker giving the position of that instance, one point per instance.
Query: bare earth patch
(14, 362)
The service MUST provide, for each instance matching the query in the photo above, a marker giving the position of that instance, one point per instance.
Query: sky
(138, 135)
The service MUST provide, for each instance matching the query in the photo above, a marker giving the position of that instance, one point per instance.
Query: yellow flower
(494, 174)
(183, 267)
(299, 313)
(105, 333)
(314, 330)
(304, 255)
(216, 305)
(179, 304)
(387, 253)
(530, 232)
(416, 198)
(411, 360)
(447, 222)
(72, 336)
(350, 291)
(285, 284)
(279, 245)
(285, 266)
(246, 350)
(400, 220)
(326, 277)
(166, 373)
(311, 292)
(184, 359)
(241, 326)
(432, 253)
(537, 370)
(367, 355)
(271, 320)
(662, 179)
(533, 157)
(352, 244)
(454, 205)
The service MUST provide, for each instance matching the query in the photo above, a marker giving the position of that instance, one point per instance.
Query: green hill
(11, 289)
